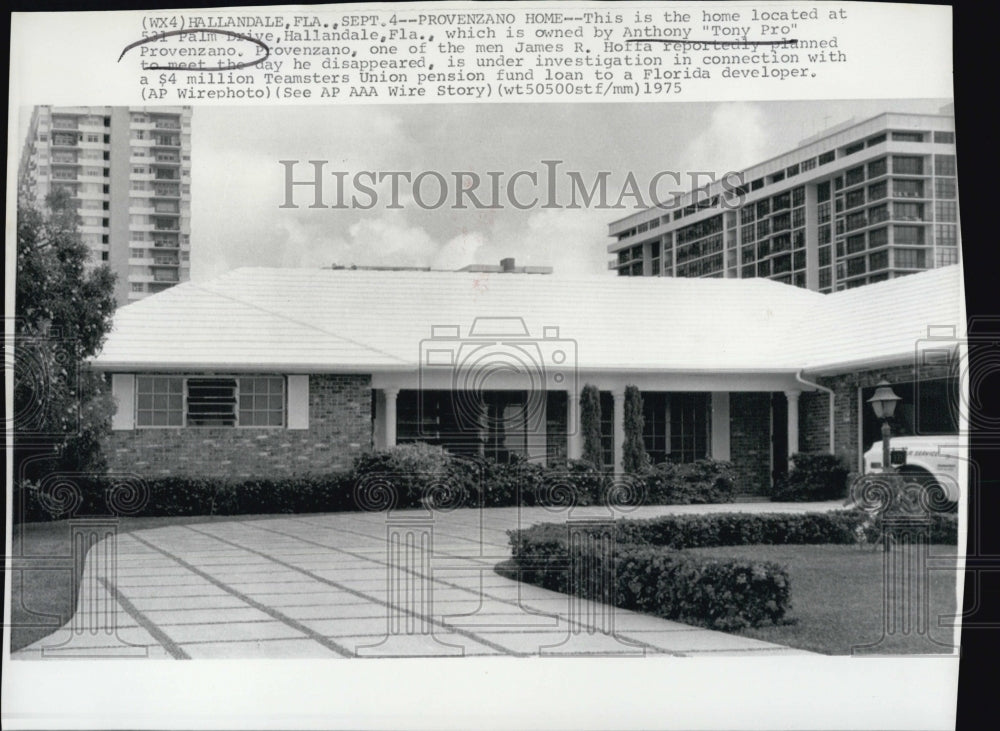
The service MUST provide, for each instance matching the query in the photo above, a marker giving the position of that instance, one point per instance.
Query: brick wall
(814, 421)
(814, 408)
(750, 441)
(339, 429)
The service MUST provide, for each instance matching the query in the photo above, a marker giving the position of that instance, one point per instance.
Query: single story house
(292, 371)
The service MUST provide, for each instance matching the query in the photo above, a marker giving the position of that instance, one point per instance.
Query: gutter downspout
(833, 420)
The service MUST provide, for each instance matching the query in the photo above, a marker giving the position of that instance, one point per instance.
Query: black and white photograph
(307, 371)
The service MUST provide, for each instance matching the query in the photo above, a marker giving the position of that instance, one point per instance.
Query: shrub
(740, 529)
(590, 425)
(571, 482)
(648, 571)
(412, 471)
(180, 496)
(812, 477)
(502, 484)
(634, 457)
(723, 594)
(703, 481)
(943, 528)
(487, 482)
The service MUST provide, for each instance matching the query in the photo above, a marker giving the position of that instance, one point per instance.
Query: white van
(930, 459)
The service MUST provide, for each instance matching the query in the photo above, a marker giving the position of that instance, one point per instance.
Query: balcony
(170, 277)
(65, 140)
(160, 141)
(903, 193)
(166, 124)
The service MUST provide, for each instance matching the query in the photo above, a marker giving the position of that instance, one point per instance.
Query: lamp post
(905, 527)
(883, 404)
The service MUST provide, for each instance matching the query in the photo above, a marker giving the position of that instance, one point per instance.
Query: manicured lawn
(42, 597)
(837, 599)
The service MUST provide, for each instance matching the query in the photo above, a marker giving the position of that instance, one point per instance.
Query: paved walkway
(356, 585)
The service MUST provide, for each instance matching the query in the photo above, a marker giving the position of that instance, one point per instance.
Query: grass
(837, 599)
(42, 598)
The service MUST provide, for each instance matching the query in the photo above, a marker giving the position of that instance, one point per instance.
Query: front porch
(750, 420)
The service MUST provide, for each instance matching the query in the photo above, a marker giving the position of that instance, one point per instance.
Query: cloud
(564, 240)
(238, 184)
(735, 137)
(388, 239)
(567, 240)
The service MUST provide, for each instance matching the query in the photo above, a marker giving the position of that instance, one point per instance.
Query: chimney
(507, 265)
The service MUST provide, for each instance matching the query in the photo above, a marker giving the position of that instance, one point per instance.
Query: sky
(238, 184)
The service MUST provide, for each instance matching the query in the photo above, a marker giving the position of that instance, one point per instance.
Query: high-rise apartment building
(858, 203)
(129, 171)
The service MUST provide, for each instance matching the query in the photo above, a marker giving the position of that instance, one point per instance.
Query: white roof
(365, 321)
(882, 322)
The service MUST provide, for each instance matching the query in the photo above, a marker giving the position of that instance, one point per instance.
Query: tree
(634, 457)
(590, 425)
(63, 310)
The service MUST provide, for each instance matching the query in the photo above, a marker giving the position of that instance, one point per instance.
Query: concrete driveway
(356, 585)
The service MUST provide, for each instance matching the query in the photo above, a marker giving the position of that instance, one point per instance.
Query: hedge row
(723, 594)
(416, 474)
(741, 529)
(647, 569)
(419, 471)
(73, 496)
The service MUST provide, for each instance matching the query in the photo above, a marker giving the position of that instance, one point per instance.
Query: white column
(619, 430)
(390, 416)
(298, 402)
(793, 422)
(123, 390)
(378, 428)
(574, 439)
